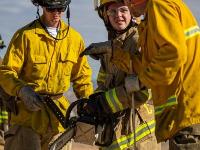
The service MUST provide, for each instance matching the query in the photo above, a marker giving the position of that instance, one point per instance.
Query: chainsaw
(69, 123)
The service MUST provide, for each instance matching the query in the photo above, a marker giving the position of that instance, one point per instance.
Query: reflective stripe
(170, 102)
(113, 101)
(190, 32)
(149, 111)
(150, 94)
(3, 113)
(127, 141)
(3, 116)
(97, 91)
(101, 77)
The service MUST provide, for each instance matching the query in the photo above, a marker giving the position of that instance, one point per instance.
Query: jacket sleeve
(166, 28)
(12, 64)
(101, 80)
(118, 99)
(82, 76)
(124, 50)
(168, 34)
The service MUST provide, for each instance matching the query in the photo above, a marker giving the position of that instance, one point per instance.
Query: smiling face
(52, 16)
(119, 16)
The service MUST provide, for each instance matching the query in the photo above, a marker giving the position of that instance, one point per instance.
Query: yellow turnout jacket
(168, 64)
(36, 59)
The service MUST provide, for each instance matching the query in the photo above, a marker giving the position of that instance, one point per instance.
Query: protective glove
(97, 50)
(32, 100)
(132, 83)
(96, 105)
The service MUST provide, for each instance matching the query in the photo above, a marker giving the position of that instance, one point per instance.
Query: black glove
(96, 105)
(97, 50)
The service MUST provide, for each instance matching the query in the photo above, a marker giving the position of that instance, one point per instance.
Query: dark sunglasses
(61, 9)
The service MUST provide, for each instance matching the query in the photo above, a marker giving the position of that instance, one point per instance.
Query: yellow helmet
(101, 6)
(105, 2)
(101, 3)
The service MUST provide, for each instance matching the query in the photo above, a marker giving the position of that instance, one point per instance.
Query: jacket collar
(40, 28)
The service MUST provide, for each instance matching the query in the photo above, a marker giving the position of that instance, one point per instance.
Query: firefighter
(42, 59)
(111, 80)
(168, 63)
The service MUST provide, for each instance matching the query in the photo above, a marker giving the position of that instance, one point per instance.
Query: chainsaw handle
(71, 107)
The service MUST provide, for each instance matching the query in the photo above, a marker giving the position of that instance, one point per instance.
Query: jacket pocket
(39, 66)
(67, 61)
(38, 59)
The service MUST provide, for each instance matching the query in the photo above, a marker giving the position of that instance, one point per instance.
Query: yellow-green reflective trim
(149, 111)
(101, 77)
(110, 102)
(100, 80)
(3, 113)
(150, 94)
(97, 91)
(170, 102)
(3, 117)
(193, 31)
(102, 74)
(117, 100)
(127, 141)
(3, 121)
(113, 101)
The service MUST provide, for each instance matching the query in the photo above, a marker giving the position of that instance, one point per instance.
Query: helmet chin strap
(68, 15)
(38, 12)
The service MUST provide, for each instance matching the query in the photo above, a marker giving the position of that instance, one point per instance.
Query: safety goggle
(50, 9)
(113, 12)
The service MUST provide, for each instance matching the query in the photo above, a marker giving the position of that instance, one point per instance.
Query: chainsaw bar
(63, 139)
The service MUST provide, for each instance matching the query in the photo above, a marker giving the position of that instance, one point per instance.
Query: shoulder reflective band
(113, 101)
(127, 141)
(192, 31)
(170, 102)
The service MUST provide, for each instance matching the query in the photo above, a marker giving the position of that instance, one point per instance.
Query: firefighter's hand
(132, 83)
(96, 105)
(31, 99)
(97, 50)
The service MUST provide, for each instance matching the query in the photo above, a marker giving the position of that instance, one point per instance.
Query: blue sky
(17, 13)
